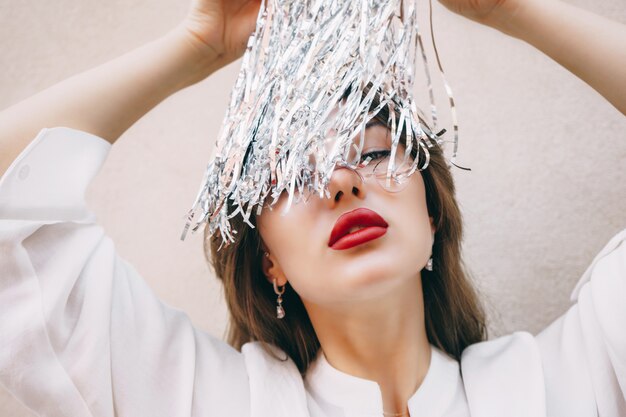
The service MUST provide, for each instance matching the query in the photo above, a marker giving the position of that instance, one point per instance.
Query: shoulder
(47, 181)
(505, 355)
(610, 261)
(274, 381)
(504, 376)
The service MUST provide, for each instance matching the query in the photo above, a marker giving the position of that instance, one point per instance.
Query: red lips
(373, 227)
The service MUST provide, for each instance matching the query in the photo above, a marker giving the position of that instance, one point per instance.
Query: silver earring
(429, 264)
(280, 311)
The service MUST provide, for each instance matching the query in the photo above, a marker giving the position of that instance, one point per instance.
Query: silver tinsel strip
(287, 125)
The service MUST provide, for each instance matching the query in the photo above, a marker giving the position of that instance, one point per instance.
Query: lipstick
(355, 228)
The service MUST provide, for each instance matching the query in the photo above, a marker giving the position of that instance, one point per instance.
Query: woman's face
(298, 241)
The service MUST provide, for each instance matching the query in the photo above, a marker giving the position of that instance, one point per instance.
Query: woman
(83, 335)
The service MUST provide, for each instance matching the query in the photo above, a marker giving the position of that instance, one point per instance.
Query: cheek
(289, 235)
(294, 241)
(413, 229)
(298, 239)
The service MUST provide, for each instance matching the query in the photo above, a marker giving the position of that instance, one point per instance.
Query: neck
(382, 340)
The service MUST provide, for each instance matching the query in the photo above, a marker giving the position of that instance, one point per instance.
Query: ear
(271, 268)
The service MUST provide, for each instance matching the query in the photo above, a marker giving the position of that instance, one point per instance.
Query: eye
(376, 155)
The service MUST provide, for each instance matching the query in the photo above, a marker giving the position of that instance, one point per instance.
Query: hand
(221, 28)
(487, 12)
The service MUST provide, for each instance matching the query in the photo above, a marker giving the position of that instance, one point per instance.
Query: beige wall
(546, 192)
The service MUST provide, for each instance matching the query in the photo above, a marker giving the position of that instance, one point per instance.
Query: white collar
(361, 396)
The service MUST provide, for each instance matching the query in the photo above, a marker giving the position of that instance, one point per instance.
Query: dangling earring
(429, 264)
(280, 311)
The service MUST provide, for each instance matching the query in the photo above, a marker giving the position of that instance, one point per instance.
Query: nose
(345, 183)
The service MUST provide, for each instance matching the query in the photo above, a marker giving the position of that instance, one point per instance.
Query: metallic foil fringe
(287, 126)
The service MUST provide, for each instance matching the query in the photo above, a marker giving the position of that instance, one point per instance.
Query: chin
(383, 269)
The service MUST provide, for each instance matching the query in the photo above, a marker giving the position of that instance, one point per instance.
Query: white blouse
(82, 334)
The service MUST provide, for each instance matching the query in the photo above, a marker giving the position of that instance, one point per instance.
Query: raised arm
(120, 92)
(590, 46)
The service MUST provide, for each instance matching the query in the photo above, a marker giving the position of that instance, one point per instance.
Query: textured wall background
(547, 190)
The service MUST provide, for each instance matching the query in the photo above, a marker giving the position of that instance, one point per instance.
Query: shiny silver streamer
(287, 126)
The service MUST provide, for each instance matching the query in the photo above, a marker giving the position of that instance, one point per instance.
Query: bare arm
(590, 46)
(108, 99)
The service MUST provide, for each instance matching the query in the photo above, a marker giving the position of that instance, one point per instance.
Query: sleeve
(584, 351)
(81, 333)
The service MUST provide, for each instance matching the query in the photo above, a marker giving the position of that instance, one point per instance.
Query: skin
(388, 319)
(381, 335)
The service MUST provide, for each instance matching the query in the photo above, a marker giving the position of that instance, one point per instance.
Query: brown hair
(454, 317)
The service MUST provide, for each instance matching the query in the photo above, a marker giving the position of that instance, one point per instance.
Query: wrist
(511, 17)
(200, 60)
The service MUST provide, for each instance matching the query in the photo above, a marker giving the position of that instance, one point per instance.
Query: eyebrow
(374, 122)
